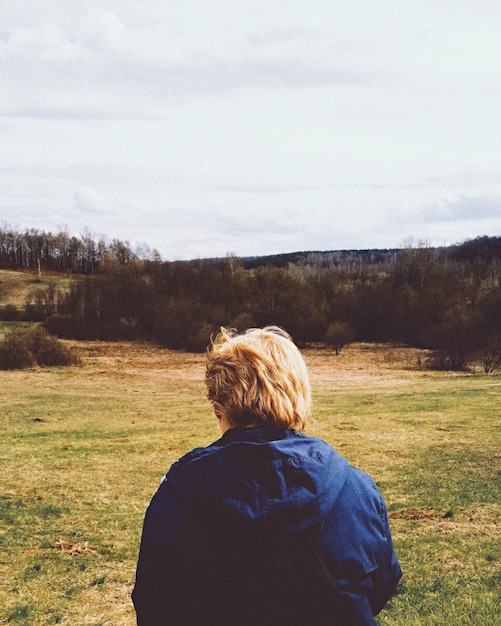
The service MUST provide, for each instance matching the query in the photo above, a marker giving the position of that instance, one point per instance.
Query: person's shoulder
(194, 455)
(311, 440)
(362, 477)
(316, 446)
(298, 444)
(362, 488)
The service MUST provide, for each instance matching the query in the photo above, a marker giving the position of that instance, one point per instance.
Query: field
(83, 448)
(15, 286)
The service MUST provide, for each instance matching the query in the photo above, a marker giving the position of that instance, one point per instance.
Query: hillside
(17, 287)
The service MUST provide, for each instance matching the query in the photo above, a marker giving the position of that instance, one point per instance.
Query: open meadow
(83, 448)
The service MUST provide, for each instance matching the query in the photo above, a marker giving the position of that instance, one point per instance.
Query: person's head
(258, 377)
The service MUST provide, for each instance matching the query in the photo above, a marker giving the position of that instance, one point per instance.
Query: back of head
(258, 377)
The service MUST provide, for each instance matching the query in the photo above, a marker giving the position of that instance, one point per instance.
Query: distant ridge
(319, 257)
(482, 248)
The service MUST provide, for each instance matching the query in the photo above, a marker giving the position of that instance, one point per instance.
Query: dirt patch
(357, 364)
(74, 549)
(419, 513)
(139, 359)
(362, 362)
(481, 521)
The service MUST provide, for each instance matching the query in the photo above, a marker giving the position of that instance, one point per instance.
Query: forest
(446, 299)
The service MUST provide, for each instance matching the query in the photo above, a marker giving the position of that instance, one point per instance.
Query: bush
(25, 348)
(447, 360)
(48, 350)
(62, 326)
(337, 335)
(199, 339)
(491, 353)
(453, 341)
(10, 313)
(14, 353)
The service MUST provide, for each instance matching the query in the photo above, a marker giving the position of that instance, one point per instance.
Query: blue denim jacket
(264, 526)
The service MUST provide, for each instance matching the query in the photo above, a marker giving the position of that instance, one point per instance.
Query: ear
(223, 423)
(218, 411)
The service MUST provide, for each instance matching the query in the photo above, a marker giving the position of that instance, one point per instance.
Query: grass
(83, 448)
(15, 286)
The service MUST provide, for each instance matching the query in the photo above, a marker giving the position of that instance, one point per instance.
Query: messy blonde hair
(258, 377)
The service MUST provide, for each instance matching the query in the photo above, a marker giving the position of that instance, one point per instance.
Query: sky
(201, 129)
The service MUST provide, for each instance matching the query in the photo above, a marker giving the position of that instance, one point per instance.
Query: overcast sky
(231, 126)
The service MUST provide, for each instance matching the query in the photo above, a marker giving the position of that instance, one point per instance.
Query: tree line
(62, 252)
(445, 299)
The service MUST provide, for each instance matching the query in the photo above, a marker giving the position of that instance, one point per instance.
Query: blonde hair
(258, 377)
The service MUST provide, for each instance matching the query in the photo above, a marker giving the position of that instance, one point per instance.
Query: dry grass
(15, 286)
(83, 448)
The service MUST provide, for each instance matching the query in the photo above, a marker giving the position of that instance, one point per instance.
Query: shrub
(10, 313)
(62, 326)
(491, 353)
(447, 359)
(337, 335)
(199, 339)
(25, 348)
(14, 353)
(48, 350)
(453, 341)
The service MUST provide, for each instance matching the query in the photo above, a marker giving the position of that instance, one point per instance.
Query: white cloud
(467, 207)
(89, 200)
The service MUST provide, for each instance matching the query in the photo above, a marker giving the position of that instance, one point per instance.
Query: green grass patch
(454, 477)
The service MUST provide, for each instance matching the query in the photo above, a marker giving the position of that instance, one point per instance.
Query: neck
(224, 425)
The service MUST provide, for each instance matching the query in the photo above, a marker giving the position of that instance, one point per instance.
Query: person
(267, 525)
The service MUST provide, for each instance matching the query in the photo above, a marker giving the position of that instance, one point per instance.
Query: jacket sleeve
(151, 591)
(160, 585)
(384, 579)
(357, 546)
